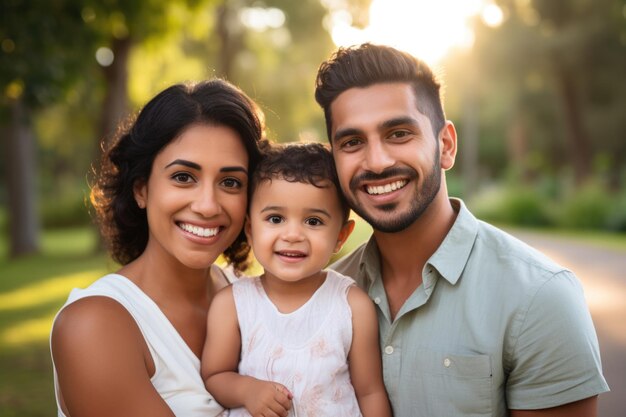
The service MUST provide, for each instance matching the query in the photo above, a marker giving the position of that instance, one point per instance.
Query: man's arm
(556, 357)
(583, 408)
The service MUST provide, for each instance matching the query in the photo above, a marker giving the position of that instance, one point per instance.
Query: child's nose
(293, 232)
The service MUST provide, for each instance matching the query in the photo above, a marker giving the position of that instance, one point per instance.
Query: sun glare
(426, 29)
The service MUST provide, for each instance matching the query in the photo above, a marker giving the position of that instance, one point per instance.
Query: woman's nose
(206, 202)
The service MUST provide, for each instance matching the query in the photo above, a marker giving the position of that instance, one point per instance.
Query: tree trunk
(21, 174)
(517, 145)
(469, 142)
(227, 32)
(115, 105)
(578, 142)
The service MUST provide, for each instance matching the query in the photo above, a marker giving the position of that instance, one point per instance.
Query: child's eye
(313, 221)
(275, 219)
(231, 183)
(182, 177)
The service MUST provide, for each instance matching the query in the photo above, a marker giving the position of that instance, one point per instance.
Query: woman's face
(195, 197)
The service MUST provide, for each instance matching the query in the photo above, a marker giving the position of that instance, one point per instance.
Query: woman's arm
(220, 360)
(103, 363)
(364, 357)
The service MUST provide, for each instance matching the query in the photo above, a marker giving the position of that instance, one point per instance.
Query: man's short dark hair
(368, 64)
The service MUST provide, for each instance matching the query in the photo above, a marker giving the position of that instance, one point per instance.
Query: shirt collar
(449, 259)
(452, 255)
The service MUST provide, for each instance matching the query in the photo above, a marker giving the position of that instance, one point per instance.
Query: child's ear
(344, 234)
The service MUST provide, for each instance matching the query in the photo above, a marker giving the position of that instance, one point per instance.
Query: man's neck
(404, 254)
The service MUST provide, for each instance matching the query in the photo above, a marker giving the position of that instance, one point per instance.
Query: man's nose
(377, 157)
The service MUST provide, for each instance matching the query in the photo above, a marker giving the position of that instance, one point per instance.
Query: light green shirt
(495, 325)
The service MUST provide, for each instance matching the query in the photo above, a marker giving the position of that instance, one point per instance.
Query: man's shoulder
(350, 264)
(495, 244)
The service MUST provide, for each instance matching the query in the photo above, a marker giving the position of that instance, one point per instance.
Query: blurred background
(535, 88)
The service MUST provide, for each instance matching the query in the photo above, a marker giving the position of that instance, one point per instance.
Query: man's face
(386, 154)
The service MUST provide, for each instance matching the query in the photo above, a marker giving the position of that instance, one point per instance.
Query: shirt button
(446, 362)
(389, 350)
(377, 300)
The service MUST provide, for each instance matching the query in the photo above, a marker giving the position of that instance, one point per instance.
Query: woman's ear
(140, 191)
(344, 234)
(447, 146)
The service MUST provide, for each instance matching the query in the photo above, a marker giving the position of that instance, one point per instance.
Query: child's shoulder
(338, 276)
(355, 294)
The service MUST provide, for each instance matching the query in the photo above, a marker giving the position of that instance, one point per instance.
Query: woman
(170, 198)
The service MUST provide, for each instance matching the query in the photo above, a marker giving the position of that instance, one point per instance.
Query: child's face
(294, 228)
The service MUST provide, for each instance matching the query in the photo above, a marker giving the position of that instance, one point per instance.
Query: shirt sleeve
(556, 358)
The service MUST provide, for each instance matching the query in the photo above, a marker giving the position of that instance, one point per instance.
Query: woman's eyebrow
(197, 167)
(184, 162)
(234, 169)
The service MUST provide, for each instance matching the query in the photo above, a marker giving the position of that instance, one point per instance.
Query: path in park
(602, 272)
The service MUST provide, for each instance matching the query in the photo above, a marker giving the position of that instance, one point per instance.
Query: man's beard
(401, 221)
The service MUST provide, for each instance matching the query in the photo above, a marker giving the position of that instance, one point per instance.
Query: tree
(551, 77)
(43, 45)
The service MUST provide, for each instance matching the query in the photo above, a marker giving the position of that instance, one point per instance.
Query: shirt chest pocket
(449, 384)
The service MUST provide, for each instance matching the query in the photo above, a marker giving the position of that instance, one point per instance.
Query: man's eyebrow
(349, 131)
(397, 121)
(197, 167)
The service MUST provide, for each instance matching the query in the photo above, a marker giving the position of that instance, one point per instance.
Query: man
(472, 321)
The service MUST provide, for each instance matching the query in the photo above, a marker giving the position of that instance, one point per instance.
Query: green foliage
(512, 204)
(586, 208)
(590, 207)
(616, 219)
(66, 211)
(44, 44)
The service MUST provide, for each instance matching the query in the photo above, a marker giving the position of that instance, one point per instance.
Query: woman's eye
(313, 221)
(182, 177)
(275, 219)
(231, 183)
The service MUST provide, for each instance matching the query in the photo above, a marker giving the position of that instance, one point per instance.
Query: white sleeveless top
(305, 350)
(177, 369)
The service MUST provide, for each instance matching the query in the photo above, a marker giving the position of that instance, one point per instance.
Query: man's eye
(351, 142)
(399, 134)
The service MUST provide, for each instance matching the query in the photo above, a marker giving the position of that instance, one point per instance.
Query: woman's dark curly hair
(128, 161)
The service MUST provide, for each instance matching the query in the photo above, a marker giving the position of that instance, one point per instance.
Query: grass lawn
(31, 291)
